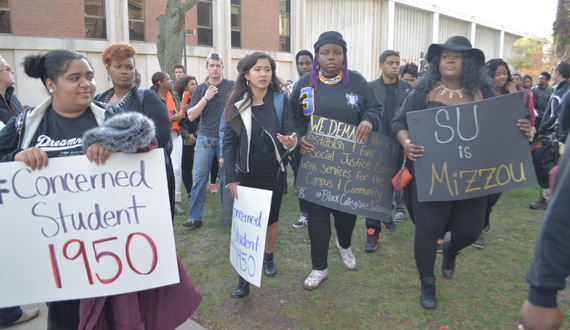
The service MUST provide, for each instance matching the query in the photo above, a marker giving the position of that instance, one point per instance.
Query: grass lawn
(486, 291)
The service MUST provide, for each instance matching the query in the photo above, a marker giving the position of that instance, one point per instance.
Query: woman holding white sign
(259, 133)
(455, 76)
(70, 123)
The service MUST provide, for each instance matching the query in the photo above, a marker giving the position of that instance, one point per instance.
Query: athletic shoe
(399, 217)
(213, 188)
(347, 257)
(192, 224)
(389, 226)
(301, 222)
(480, 242)
(315, 279)
(540, 204)
(371, 243)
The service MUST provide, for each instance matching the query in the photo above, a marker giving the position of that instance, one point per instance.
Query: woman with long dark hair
(324, 92)
(187, 84)
(498, 70)
(162, 86)
(455, 76)
(258, 128)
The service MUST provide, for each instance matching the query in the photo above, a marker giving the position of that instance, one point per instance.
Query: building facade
(234, 28)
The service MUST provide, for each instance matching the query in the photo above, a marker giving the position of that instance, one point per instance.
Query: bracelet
(204, 98)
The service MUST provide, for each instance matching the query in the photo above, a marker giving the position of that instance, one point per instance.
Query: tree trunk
(171, 35)
(561, 34)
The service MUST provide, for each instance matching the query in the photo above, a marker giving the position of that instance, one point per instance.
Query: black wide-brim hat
(459, 44)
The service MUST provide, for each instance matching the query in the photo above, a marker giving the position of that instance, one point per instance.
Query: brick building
(234, 28)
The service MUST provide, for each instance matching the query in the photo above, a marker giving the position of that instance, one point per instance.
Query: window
(95, 26)
(5, 25)
(236, 24)
(285, 25)
(205, 31)
(136, 20)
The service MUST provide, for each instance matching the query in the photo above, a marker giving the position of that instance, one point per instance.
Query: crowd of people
(245, 132)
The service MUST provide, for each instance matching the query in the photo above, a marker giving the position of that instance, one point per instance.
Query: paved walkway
(40, 323)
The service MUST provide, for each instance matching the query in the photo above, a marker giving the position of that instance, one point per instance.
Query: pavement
(40, 323)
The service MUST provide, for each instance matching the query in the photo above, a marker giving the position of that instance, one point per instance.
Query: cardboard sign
(345, 175)
(77, 230)
(249, 228)
(473, 149)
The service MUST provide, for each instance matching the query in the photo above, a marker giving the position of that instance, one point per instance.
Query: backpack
(545, 155)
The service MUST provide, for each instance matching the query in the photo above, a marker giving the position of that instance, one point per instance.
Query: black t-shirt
(61, 136)
(390, 97)
(262, 161)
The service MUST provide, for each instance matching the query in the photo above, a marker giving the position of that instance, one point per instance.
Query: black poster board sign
(471, 150)
(345, 175)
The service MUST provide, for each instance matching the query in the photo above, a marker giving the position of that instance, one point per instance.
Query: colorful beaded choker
(330, 81)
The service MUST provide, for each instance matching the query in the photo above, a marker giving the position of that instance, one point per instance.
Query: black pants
(320, 232)
(63, 315)
(464, 219)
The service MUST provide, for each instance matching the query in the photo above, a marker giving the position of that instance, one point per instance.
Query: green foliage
(532, 55)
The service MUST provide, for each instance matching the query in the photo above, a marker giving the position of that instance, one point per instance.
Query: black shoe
(389, 226)
(427, 298)
(448, 260)
(371, 243)
(242, 289)
(487, 228)
(192, 224)
(269, 267)
(480, 242)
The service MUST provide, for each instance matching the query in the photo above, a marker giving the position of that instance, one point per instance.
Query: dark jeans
(9, 314)
(188, 166)
(320, 232)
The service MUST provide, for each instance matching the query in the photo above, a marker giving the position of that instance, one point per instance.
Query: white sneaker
(347, 257)
(315, 279)
(301, 222)
(213, 188)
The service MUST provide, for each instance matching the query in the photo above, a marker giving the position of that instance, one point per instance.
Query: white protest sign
(249, 227)
(76, 230)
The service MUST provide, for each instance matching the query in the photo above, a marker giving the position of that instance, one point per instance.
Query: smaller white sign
(249, 228)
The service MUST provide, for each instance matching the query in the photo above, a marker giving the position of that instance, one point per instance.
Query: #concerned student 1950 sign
(76, 230)
(471, 150)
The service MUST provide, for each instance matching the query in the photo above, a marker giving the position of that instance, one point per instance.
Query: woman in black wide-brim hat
(455, 76)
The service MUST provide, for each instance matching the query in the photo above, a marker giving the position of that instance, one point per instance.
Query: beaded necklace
(330, 81)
